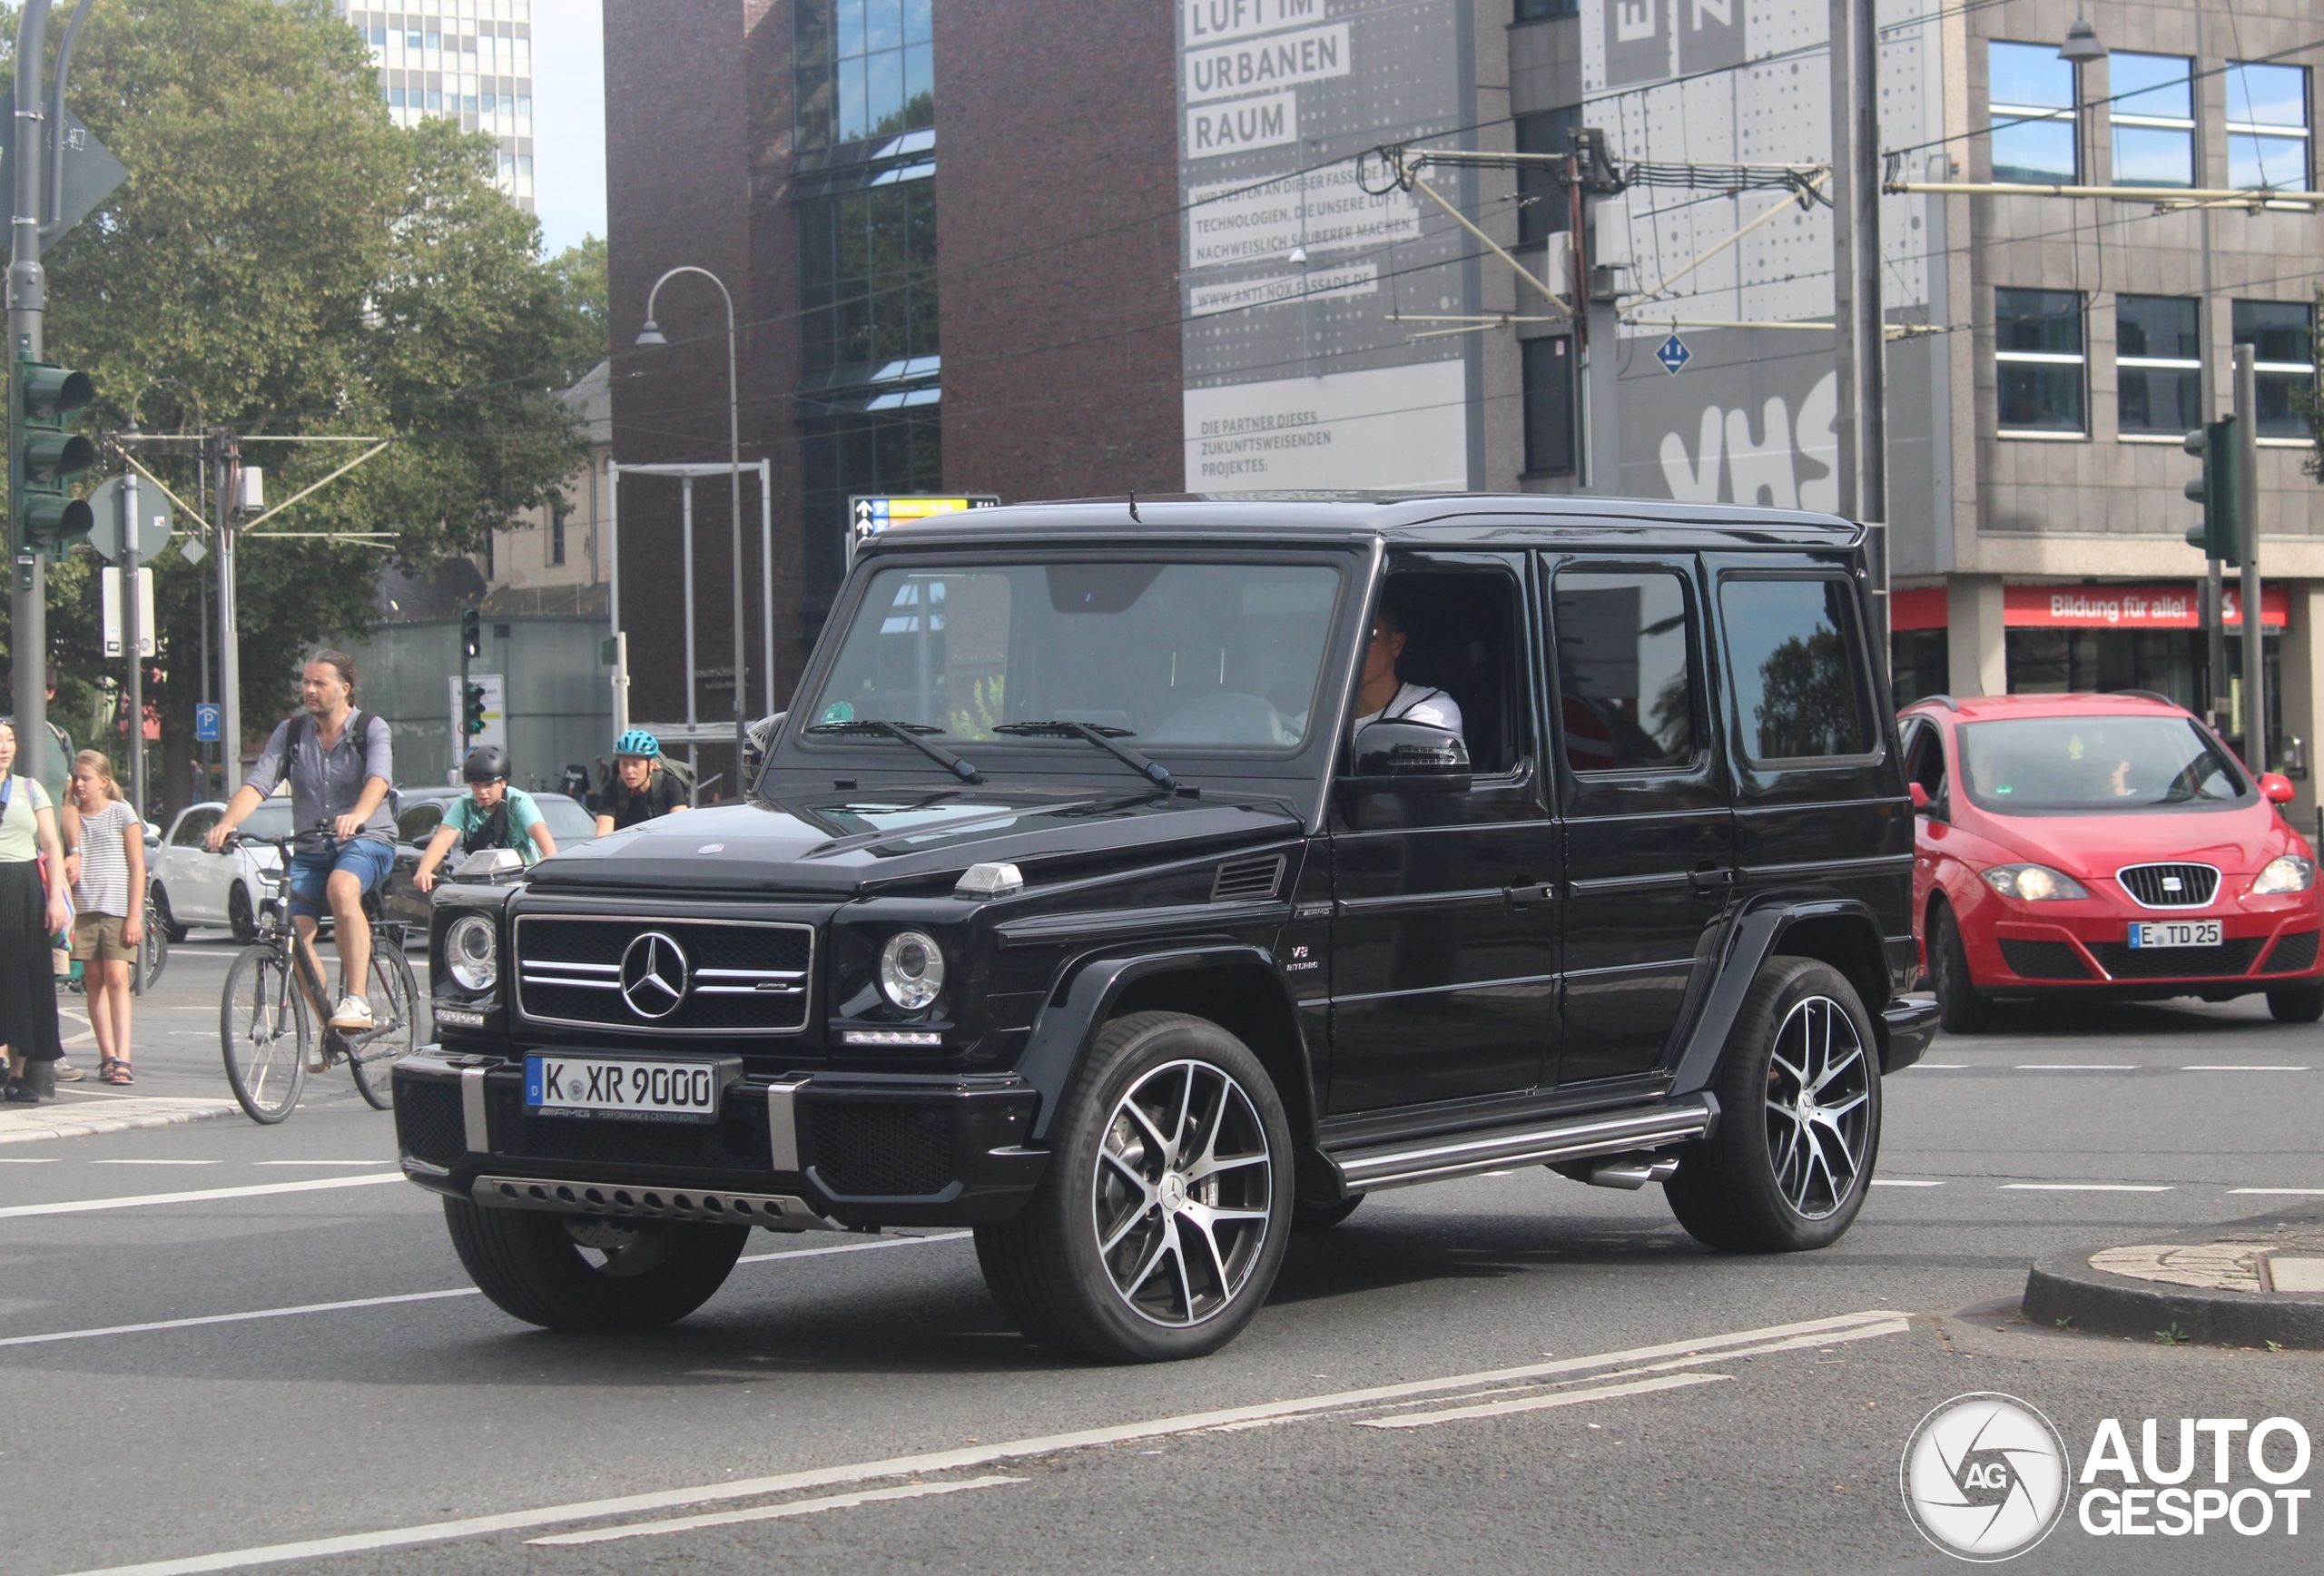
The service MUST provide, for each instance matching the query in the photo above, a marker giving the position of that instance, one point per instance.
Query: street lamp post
(651, 334)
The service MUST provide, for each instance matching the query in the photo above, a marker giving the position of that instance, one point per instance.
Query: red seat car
(2106, 846)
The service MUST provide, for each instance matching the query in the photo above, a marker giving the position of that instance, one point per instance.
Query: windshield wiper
(909, 732)
(1104, 739)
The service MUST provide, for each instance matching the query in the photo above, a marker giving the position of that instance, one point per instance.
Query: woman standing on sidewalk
(109, 927)
(31, 909)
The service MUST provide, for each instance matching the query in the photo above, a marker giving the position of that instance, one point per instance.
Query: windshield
(2084, 763)
(270, 819)
(1223, 655)
(567, 821)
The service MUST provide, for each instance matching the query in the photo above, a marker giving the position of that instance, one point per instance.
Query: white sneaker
(351, 1016)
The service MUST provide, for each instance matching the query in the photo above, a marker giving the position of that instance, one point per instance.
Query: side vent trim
(1244, 880)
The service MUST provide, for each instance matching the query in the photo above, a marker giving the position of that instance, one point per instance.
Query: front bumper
(2090, 953)
(793, 1153)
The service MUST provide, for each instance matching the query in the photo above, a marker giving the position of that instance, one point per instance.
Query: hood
(845, 844)
(2239, 841)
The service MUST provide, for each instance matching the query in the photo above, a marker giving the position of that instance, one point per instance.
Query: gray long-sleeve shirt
(325, 786)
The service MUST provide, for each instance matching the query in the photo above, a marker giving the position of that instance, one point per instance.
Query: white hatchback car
(192, 886)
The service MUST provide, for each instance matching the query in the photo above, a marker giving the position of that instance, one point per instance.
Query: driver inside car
(1382, 695)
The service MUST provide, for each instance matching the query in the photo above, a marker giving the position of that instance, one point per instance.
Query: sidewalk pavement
(2250, 1283)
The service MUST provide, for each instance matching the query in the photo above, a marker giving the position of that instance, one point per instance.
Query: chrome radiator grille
(665, 976)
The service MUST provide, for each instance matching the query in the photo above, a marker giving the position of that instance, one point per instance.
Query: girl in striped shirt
(109, 926)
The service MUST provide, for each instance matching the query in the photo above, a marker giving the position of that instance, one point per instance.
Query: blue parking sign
(206, 714)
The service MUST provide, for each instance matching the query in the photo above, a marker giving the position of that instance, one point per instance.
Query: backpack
(303, 725)
(492, 832)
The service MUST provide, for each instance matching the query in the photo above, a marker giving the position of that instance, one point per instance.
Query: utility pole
(1862, 339)
(133, 641)
(27, 298)
(223, 454)
(2255, 638)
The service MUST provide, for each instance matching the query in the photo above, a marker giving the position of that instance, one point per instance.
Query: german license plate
(649, 1088)
(2175, 933)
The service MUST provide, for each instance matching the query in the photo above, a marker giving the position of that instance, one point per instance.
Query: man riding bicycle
(493, 815)
(342, 769)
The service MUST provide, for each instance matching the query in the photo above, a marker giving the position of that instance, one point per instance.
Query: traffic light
(471, 633)
(46, 459)
(2222, 492)
(472, 710)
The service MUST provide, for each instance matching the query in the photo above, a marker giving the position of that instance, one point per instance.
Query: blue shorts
(366, 858)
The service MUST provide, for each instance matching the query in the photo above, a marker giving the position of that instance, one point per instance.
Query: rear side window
(1799, 681)
(1629, 696)
(194, 827)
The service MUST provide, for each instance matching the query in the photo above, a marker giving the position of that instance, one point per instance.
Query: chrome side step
(775, 1211)
(1537, 1144)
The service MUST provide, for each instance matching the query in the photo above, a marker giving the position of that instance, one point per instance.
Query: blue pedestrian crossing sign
(1673, 354)
(206, 715)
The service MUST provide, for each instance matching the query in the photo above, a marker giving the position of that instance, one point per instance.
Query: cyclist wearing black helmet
(640, 790)
(493, 815)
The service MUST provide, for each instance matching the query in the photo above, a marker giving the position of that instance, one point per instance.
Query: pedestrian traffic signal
(44, 461)
(2222, 492)
(472, 711)
(471, 633)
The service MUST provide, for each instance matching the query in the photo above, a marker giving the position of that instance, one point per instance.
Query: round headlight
(472, 952)
(912, 970)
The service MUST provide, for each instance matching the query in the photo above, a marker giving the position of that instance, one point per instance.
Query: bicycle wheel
(395, 1017)
(263, 1026)
(152, 953)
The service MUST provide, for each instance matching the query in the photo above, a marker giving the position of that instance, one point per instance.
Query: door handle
(1520, 897)
(1712, 880)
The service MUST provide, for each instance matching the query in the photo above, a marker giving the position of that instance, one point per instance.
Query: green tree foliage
(285, 261)
(1810, 705)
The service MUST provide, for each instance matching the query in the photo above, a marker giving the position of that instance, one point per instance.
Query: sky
(569, 120)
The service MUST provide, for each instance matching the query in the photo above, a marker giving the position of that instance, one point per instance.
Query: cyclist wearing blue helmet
(640, 790)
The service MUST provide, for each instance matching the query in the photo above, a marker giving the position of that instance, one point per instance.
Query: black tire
(1311, 1216)
(263, 1030)
(170, 926)
(1752, 1187)
(241, 918)
(588, 1274)
(1117, 1301)
(1961, 1009)
(152, 953)
(2297, 1004)
(396, 1030)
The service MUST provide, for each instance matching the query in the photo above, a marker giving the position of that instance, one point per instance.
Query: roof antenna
(1133, 509)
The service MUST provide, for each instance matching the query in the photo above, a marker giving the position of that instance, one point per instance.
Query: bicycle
(152, 953)
(264, 1023)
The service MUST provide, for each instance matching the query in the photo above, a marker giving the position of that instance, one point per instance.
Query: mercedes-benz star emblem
(655, 975)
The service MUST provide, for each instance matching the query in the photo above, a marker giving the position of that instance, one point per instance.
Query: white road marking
(83, 1205)
(319, 1162)
(1828, 1330)
(2077, 1067)
(773, 1512)
(2281, 1192)
(1902, 1182)
(2084, 1188)
(1941, 1065)
(28, 1159)
(2240, 1066)
(1541, 1403)
(163, 1162)
(43, 1340)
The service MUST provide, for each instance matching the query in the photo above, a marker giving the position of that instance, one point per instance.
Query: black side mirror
(1408, 757)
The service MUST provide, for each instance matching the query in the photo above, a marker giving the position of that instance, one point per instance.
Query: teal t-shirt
(467, 815)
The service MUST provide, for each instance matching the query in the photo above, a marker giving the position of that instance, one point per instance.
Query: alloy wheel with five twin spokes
(1182, 1196)
(1819, 1110)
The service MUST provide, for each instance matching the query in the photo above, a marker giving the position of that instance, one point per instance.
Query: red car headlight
(2284, 873)
(2034, 883)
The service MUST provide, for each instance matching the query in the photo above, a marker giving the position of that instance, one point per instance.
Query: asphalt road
(240, 1347)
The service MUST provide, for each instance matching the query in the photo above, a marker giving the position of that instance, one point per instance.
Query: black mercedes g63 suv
(1137, 886)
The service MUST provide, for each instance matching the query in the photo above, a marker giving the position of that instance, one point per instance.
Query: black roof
(1482, 519)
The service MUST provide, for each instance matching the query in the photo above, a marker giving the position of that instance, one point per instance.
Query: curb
(2063, 1286)
(82, 1121)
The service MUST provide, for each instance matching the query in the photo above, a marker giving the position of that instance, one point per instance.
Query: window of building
(1547, 368)
(867, 276)
(858, 452)
(2153, 114)
(1919, 662)
(1800, 687)
(2039, 363)
(2159, 367)
(2030, 94)
(1543, 208)
(2282, 336)
(557, 515)
(1629, 696)
(863, 69)
(2267, 126)
(1545, 10)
